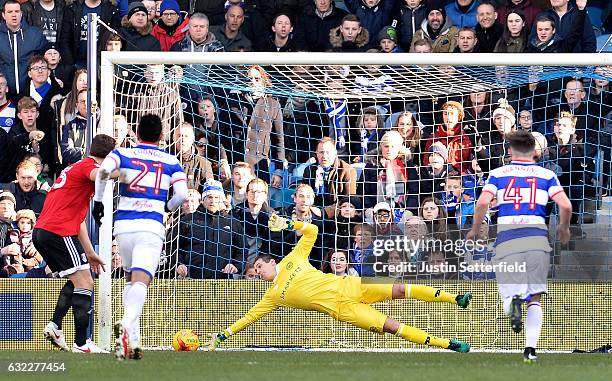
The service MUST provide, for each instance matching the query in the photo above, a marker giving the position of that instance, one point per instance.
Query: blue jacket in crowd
(460, 19)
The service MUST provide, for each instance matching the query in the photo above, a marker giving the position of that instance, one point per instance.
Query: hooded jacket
(337, 44)
(444, 43)
(70, 37)
(168, 38)
(15, 50)
(462, 19)
(312, 32)
(410, 21)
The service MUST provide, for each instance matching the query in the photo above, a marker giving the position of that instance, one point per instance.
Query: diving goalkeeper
(297, 284)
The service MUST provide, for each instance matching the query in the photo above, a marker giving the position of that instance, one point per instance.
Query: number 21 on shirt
(145, 168)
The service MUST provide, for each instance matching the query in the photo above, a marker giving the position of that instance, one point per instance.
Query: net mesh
(272, 118)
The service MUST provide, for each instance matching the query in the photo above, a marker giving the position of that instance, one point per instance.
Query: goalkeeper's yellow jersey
(297, 284)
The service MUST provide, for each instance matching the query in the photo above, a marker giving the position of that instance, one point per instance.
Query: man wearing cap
(72, 36)
(7, 215)
(211, 243)
(437, 29)
(383, 218)
(136, 30)
(172, 25)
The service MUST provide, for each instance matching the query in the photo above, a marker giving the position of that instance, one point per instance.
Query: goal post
(488, 72)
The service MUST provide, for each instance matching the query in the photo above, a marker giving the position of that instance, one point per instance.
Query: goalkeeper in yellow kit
(297, 284)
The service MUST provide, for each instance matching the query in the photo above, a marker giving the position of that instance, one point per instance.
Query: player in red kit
(60, 236)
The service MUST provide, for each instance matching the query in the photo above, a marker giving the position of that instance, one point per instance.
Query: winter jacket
(586, 42)
(73, 144)
(513, 45)
(341, 181)
(529, 10)
(138, 41)
(234, 44)
(270, 46)
(461, 19)
(446, 41)
(458, 145)
(168, 38)
(34, 199)
(265, 133)
(559, 43)
(410, 21)
(70, 38)
(210, 241)
(373, 19)
(487, 38)
(312, 32)
(336, 42)
(16, 49)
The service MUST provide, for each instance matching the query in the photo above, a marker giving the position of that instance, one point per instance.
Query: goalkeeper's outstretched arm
(309, 234)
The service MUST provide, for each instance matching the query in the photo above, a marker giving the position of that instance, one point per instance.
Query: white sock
(126, 289)
(133, 304)
(533, 324)
(134, 333)
(507, 302)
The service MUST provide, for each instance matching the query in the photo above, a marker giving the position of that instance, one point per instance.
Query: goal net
(392, 150)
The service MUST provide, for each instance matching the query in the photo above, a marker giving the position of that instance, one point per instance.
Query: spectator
(44, 182)
(383, 221)
(567, 27)
(27, 112)
(387, 178)
(330, 178)
(421, 46)
(121, 132)
(265, 129)
(172, 26)
(7, 107)
(21, 235)
(249, 272)
(488, 30)
(214, 149)
(362, 251)
(412, 15)
(214, 9)
(65, 109)
(211, 243)
(477, 105)
(462, 13)
(197, 168)
(526, 7)
(587, 118)
(253, 214)
(269, 9)
(514, 37)
(72, 39)
(437, 29)
(387, 41)
(525, 120)
(337, 263)
(46, 15)
(282, 39)
(198, 38)
(18, 42)
(434, 215)
(236, 187)
(396, 261)
(408, 127)
(74, 133)
(230, 34)
(313, 26)
(502, 122)
(350, 36)
(152, 10)
(374, 14)
(11, 149)
(416, 231)
(433, 175)
(136, 30)
(58, 72)
(117, 271)
(467, 41)
(369, 124)
(191, 203)
(25, 189)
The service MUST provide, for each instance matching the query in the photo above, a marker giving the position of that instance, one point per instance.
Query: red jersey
(67, 202)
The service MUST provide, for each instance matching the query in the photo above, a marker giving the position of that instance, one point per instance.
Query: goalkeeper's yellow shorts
(354, 303)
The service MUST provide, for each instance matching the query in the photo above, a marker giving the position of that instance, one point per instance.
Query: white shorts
(140, 251)
(530, 279)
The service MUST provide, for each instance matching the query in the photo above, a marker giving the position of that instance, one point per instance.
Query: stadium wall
(577, 315)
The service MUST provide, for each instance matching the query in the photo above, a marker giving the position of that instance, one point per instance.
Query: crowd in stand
(362, 171)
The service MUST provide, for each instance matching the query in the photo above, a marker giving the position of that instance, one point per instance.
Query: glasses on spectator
(383, 214)
(525, 117)
(169, 14)
(39, 68)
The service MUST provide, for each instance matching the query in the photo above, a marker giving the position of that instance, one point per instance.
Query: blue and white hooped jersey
(522, 190)
(146, 173)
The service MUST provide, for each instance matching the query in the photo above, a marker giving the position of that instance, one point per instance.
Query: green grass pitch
(320, 366)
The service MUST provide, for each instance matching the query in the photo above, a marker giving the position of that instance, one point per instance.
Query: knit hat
(5, 195)
(169, 4)
(26, 213)
(505, 110)
(212, 187)
(436, 5)
(387, 33)
(440, 149)
(136, 6)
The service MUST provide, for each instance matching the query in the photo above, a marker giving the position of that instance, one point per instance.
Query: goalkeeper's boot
(463, 300)
(88, 347)
(55, 336)
(122, 349)
(529, 355)
(516, 315)
(459, 346)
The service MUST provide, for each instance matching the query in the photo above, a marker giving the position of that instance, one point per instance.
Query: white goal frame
(110, 59)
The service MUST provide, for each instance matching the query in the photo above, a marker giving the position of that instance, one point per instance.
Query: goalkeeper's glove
(214, 342)
(277, 223)
(98, 212)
